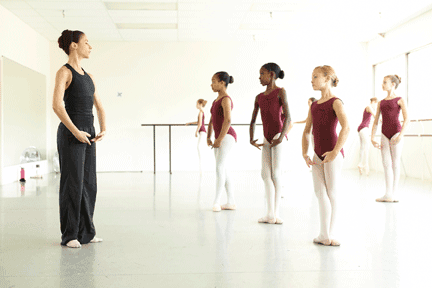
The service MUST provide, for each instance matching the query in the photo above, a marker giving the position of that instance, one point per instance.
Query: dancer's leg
(396, 155)
(361, 164)
(221, 155)
(323, 201)
(388, 172)
(366, 153)
(201, 136)
(266, 175)
(332, 175)
(277, 157)
(230, 205)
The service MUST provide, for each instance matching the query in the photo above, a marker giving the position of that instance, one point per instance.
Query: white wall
(161, 82)
(417, 152)
(22, 44)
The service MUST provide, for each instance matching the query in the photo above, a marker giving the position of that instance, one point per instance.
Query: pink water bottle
(22, 175)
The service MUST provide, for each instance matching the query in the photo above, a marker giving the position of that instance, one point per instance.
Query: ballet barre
(169, 125)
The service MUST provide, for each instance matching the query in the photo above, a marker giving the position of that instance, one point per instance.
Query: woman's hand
(275, 142)
(217, 143)
(253, 143)
(309, 162)
(376, 144)
(329, 156)
(196, 134)
(82, 136)
(99, 136)
(209, 142)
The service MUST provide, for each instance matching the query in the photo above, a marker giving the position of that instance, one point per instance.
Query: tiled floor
(159, 231)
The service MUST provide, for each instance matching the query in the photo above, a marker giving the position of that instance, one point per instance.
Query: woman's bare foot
(229, 207)
(326, 242)
(73, 244)
(360, 170)
(96, 240)
(267, 219)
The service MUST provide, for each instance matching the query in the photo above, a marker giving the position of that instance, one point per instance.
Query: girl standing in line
(391, 135)
(271, 103)
(324, 115)
(201, 130)
(225, 137)
(363, 131)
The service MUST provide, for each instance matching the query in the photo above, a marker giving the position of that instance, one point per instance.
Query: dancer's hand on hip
(376, 144)
(309, 161)
(253, 142)
(99, 136)
(275, 142)
(217, 143)
(82, 136)
(329, 156)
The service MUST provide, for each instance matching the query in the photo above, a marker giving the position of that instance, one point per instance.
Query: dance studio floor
(159, 231)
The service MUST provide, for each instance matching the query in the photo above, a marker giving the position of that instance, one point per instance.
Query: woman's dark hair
(313, 99)
(223, 76)
(67, 37)
(273, 67)
(373, 99)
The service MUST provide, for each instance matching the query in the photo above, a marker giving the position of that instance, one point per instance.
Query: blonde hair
(202, 102)
(329, 71)
(394, 79)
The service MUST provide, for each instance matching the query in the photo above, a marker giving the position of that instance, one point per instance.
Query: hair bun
(281, 74)
(399, 78)
(335, 82)
(231, 79)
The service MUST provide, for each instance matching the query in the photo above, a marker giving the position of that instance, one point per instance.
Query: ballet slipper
(334, 242)
(278, 221)
(360, 170)
(326, 242)
(266, 219)
(96, 240)
(229, 207)
(216, 208)
(385, 199)
(73, 244)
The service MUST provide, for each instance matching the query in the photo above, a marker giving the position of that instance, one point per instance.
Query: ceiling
(216, 20)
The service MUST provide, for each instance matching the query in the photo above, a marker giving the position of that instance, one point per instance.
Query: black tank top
(78, 97)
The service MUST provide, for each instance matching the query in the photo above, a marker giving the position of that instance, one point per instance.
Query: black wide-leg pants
(78, 185)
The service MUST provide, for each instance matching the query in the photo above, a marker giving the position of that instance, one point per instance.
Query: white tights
(325, 180)
(201, 135)
(222, 177)
(364, 149)
(271, 172)
(391, 156)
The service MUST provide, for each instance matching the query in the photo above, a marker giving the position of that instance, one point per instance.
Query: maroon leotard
(218, 118)
(202, 128)
(390, 117)
(271, 114)
(324, 121)
(366, 120)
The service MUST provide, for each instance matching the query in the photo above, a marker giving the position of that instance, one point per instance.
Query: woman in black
(76, 141)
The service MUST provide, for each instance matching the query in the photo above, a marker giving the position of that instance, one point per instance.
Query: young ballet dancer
(324, 115)
(76, 141)
(201, 130)
(225, 137)
(391, 135)
(276, 126)
(363, 131)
